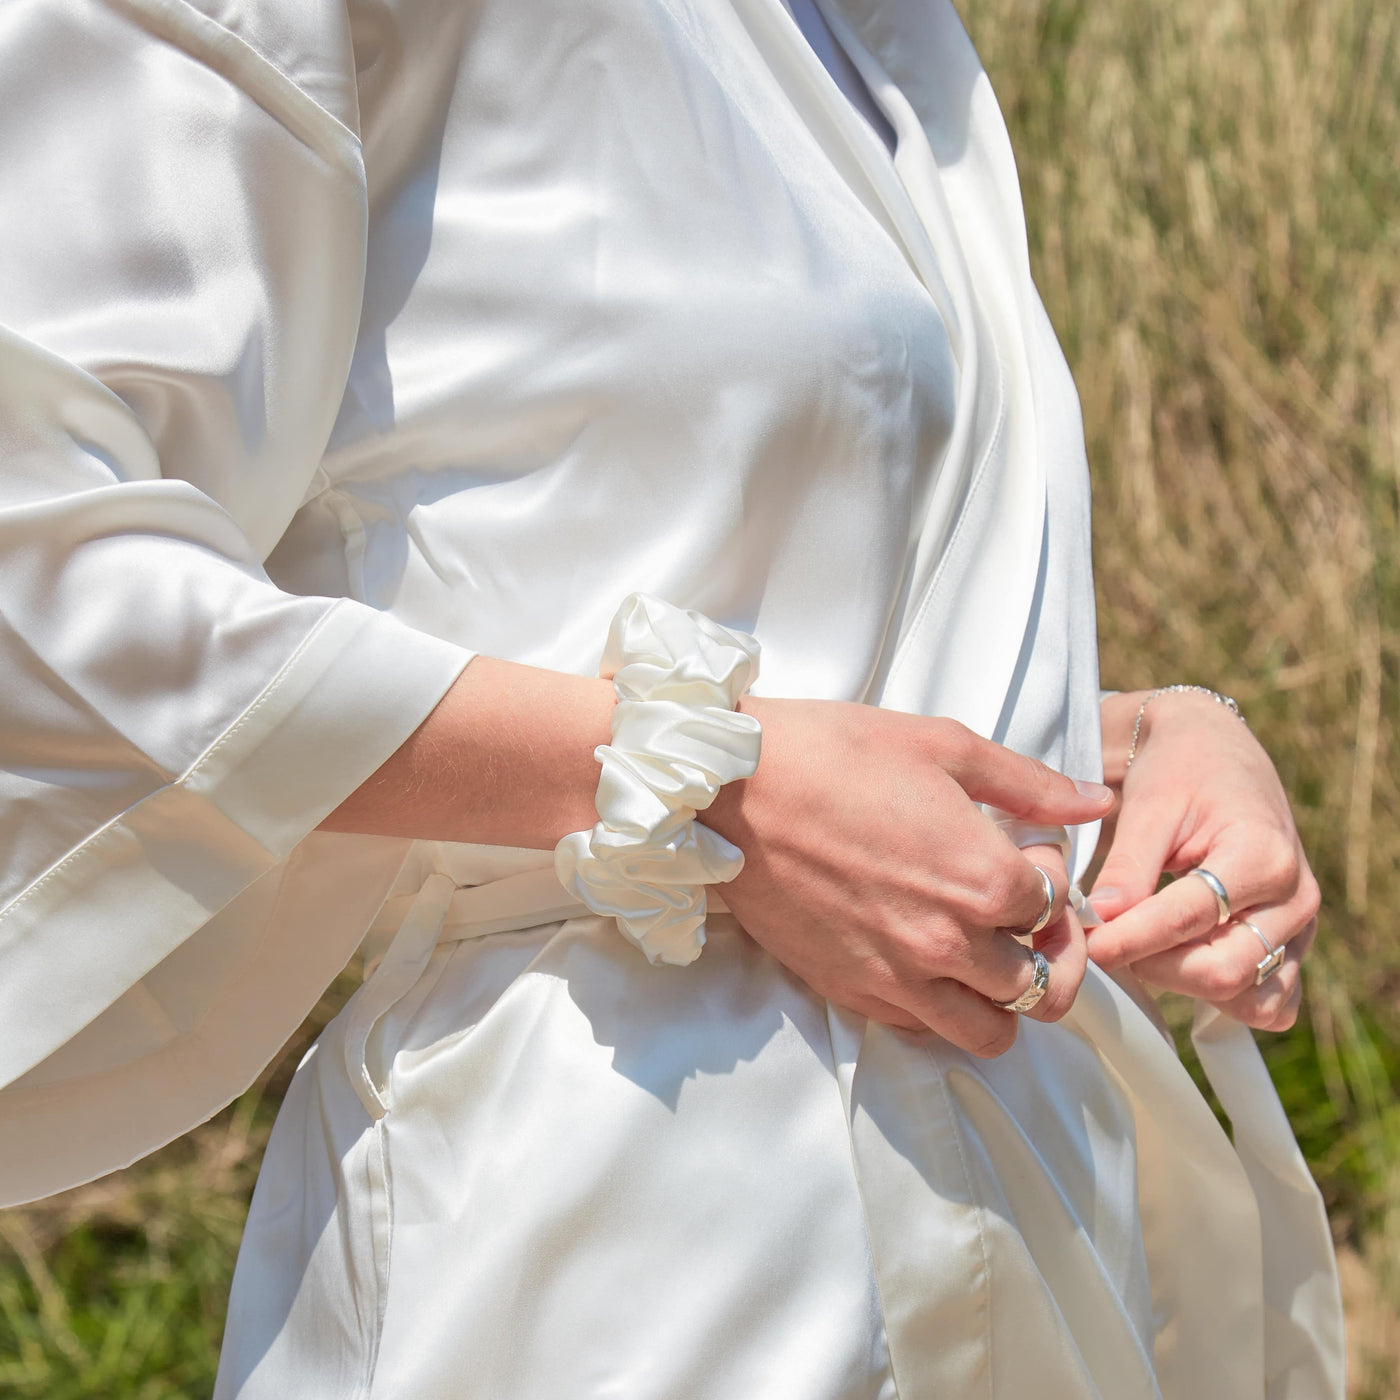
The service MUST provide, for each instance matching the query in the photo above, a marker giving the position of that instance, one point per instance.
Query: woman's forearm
(505, 759)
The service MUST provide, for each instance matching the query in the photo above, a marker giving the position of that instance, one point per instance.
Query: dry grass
(1213, 195)
(1214, 203)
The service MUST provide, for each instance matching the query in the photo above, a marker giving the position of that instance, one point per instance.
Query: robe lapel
(953, 646)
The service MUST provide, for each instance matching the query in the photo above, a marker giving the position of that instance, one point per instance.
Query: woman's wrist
(1117, 712)
(1130, 714)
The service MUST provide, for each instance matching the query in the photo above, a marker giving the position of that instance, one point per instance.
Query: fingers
(1186, 909)
(887, 1013)
(974, 1023)
(989, 960)
(1050, 859)
(1182, 913)
(1221, 968)
(991, 963)
(1022, 786)
(964, 1018)
(1065, 948)
(1142, 842)
(1273, 1005)
(1019, 902)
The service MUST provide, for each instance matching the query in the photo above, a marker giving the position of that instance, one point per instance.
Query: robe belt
(513, 902)
(444, 912)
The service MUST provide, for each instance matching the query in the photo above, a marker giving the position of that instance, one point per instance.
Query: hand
(870, 872)
(1201, 791)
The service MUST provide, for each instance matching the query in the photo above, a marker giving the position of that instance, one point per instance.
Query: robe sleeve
(182, 245)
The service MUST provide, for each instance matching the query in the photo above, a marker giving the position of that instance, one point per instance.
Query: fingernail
(1095, 790)
(1108, 902)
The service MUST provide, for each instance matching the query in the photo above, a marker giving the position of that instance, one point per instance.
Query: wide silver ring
(1222, 898)
(1040, 980)
(1266, 966)
(1049, 909)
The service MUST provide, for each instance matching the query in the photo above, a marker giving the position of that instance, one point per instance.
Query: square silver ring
(1267, 966)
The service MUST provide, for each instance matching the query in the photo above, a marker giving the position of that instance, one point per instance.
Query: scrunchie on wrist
(676, 739)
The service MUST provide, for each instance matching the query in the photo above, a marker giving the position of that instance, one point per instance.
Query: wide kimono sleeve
(182, 245)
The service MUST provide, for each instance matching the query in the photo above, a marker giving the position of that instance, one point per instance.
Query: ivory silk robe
(342, 343)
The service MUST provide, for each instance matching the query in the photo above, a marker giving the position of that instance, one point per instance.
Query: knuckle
(989, 1039)
(1309, 897)
(1035, 778)
(1256, 1017)
(1288, 1012)
(1276, 859)
(1224, 981)
(1190, 924)
(1303, 941)
(1175, 926)
(951, 738)
(996, 895)
(1057, 1001)
(1269, 1001)
(932, 951)
(1040, 777)
(1027, 770)
(985, 908)
(885, 1013)
(878, 979)
(1277, 1008)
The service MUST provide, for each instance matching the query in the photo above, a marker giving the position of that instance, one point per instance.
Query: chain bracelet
(1215, 695)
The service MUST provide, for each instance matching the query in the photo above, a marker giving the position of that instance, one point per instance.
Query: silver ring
(1049, 902)
(1040, 980)
(1266, 966)
(1222, 899)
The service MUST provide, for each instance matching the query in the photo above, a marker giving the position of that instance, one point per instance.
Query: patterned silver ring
(1049, 886)
(1040, 980)
(1222, 899)
(1266, 966)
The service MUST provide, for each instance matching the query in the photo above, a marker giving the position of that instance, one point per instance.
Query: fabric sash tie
(444, 912)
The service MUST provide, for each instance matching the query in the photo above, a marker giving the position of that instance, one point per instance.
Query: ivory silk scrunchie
(676, 739)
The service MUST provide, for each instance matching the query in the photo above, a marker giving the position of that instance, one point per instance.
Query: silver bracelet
(1215, 695)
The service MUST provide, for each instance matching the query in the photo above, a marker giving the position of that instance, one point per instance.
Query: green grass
(1214, 208)
(116, 1291)
(119, 1291)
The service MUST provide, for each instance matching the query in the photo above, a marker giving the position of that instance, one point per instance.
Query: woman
(359, 366)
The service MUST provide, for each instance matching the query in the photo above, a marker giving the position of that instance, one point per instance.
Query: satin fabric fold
(345, 342)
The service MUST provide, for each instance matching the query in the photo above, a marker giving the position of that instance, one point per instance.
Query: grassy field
(1213, 194)
(1214, 204)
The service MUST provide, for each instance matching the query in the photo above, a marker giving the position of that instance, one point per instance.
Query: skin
(1201, 791)
(892, 895)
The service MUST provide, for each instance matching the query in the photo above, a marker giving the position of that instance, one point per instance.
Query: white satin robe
(339, 346)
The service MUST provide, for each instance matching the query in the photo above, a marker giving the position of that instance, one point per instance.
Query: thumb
(1138, 853)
